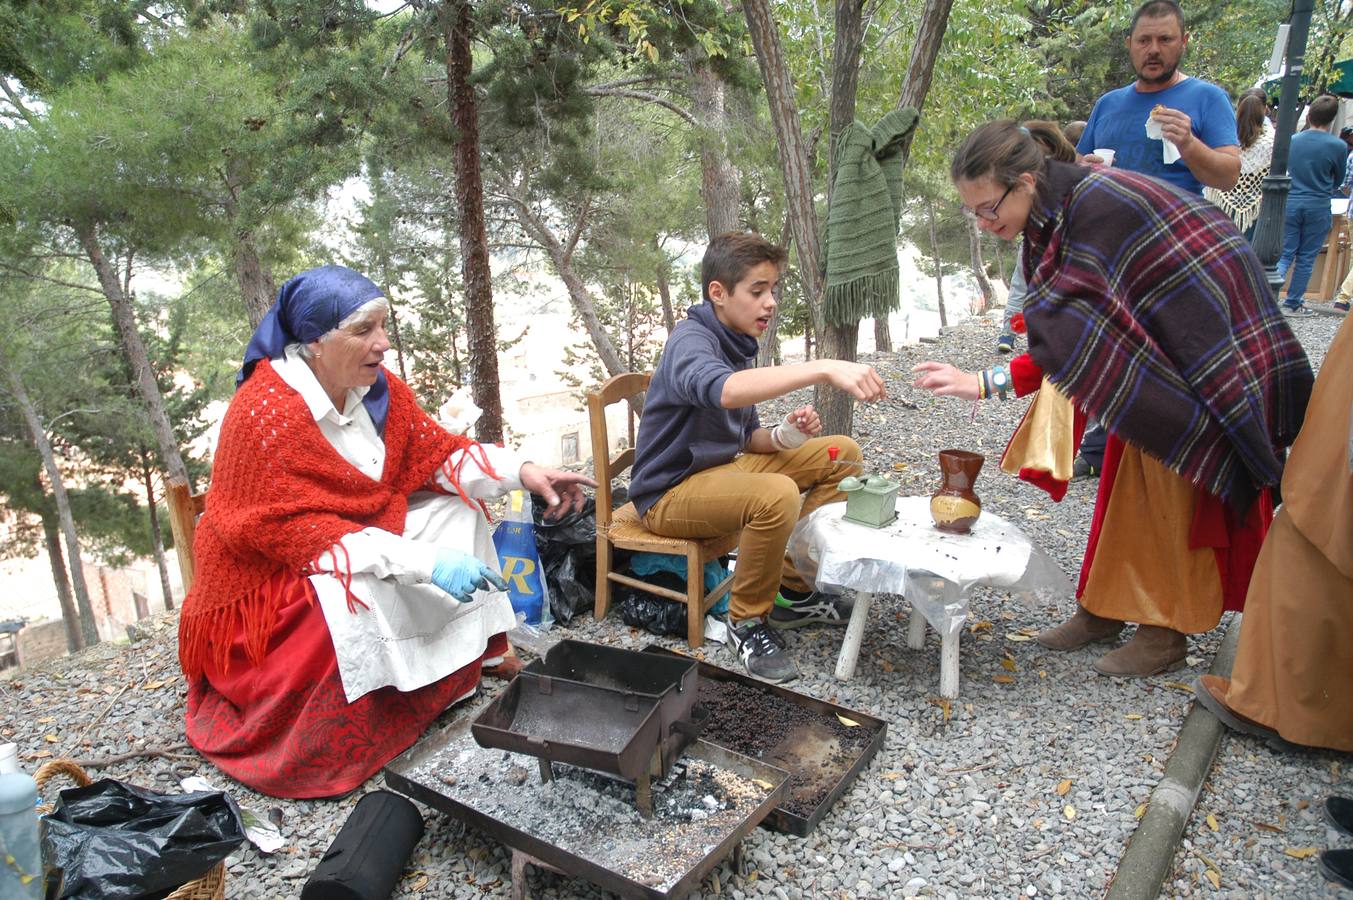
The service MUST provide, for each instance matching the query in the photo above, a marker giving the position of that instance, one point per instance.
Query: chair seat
(628, 532)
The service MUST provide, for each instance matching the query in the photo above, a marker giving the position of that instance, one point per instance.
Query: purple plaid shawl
(1150, 310)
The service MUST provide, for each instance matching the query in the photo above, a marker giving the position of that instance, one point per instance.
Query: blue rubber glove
(460, 575)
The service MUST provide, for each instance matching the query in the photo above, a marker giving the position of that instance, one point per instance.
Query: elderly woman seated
(343, 559)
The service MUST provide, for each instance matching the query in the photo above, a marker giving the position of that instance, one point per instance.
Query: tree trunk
(769, 352)
(939, 263)
(88, 629)
(883, 335)
(836, 408)
(561, 255)
(457, 25)
(846, 51)
(396, 339)
(833, 406)
(794, 164)
(51, 536)
(124, 321)
(257, 288)
(665, 293)
(256, 284)
(979, 267)
(720, 188)
(156, 539)
(925, 49)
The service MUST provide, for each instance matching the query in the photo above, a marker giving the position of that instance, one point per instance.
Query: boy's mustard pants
(761, 495)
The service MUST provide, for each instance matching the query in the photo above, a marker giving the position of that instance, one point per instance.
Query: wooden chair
(184, 509)
(622, 528)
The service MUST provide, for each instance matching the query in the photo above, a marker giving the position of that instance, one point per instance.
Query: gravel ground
(1023, 788)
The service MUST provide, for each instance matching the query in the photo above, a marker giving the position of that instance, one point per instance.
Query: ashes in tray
(585, 824)
(802, 735)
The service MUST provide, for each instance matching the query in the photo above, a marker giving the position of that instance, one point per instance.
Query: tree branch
(645, 97)
(18, 104)
(626, 82)
(33, 276)
(578, 228)
(405, 42)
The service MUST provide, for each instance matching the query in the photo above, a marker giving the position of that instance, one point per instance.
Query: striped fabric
(1148, 308)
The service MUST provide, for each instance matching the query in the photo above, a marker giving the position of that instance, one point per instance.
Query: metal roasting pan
(672, 681)
(564, 721)
(412, 773)
(783, 819)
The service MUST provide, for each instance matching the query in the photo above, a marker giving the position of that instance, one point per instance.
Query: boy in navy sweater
(705, 466)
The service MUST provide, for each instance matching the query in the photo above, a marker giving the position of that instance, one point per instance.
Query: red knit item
(280, 496)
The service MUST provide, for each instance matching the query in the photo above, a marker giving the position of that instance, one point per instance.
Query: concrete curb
(1150, 853)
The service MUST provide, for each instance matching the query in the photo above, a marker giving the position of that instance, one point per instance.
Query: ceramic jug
(955, 507)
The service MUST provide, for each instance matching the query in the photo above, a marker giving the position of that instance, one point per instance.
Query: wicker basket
(210, 886)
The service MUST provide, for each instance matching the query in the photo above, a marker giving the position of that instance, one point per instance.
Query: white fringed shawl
(1241, 202)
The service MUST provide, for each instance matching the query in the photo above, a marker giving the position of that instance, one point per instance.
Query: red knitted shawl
(280, 496)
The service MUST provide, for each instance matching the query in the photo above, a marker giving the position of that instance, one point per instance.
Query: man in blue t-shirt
(1194, 115)
(1316, 161)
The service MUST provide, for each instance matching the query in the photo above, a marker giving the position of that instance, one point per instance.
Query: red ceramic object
(955, 507)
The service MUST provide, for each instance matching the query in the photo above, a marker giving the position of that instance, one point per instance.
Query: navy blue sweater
(684, 428)
(1316, 163)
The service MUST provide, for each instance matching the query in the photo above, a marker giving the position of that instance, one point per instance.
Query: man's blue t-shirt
(1316, 162)
(1118, 121)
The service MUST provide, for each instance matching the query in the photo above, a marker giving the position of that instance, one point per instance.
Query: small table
(934, 570)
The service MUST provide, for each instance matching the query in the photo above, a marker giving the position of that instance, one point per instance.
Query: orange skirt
(1161, 551)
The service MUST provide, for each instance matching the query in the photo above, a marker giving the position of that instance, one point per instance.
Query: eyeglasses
(988, 212)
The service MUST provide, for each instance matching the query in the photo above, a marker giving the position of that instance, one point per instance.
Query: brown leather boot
(1151, 651)
(1081, 629)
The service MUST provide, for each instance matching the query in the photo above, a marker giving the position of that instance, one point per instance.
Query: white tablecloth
(934, 570)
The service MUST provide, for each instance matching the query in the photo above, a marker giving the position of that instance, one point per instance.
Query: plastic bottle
(515, 541)
(20, 852)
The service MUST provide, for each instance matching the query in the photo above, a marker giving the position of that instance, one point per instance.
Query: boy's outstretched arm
(752, 386)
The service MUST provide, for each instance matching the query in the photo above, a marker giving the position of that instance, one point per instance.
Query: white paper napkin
(1169, 152)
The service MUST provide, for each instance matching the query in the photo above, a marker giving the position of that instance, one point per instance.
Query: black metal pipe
(1268, 232)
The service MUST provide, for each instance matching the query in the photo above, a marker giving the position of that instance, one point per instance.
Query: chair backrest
(184, 509)
(605, 467)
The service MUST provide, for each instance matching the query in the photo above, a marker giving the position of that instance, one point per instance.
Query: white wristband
(786, 436)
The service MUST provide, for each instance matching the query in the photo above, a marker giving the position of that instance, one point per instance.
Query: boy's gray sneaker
(815, 609)
(762, 651)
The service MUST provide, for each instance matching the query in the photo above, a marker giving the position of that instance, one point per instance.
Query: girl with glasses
(1148, 310)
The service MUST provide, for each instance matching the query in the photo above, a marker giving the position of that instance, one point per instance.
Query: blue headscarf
(308, 307)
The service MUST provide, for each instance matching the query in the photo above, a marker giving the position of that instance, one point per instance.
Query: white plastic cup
(1105, 154)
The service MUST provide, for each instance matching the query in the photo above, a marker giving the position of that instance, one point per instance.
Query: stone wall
(119, 598)
(46, 640)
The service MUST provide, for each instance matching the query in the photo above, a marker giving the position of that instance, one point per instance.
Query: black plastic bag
(656, 615)
(568, 553)
(117, 840)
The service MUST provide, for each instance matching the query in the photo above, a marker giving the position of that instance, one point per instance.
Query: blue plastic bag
(646, 564)
(515, 541)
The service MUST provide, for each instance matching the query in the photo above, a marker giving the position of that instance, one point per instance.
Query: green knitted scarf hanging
(860, 245)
